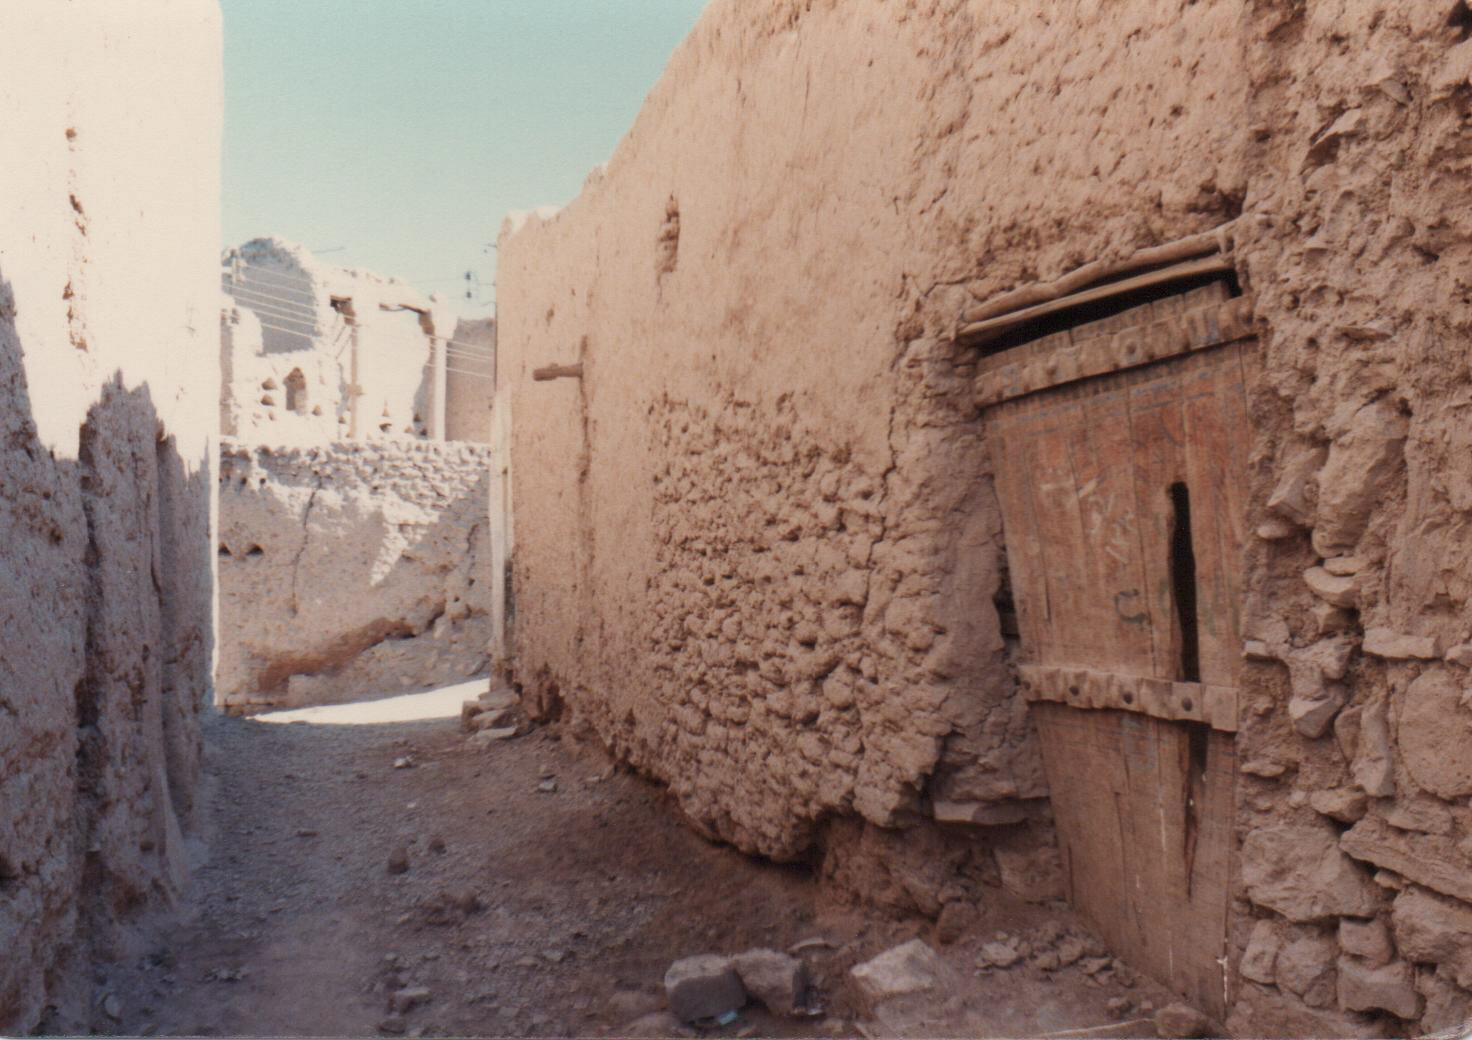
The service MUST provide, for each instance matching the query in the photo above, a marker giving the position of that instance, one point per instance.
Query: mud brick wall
(108, 395)
(768, 465)
(772, 464)
(350, 570)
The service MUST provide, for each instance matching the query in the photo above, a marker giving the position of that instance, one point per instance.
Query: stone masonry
(350, 569)
(757, 440)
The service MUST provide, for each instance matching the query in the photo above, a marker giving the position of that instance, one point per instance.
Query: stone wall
(771, 461)
(108, 375)
(1356, 244)
(770, 464)
(350, 570)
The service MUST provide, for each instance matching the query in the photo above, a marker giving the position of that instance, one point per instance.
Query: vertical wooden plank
(1158, 429)
(1149, 749)
(1232, 395)
(1209, 475)
(1102, 448)
(1071, 637)
(1088, 788)
(1149, 872)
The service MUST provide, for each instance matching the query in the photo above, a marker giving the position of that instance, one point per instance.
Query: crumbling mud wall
(350, 570)
(108, 376)
(282, 397)
(1354, 740)
(312, 352)
(763, 454)
(757, 544)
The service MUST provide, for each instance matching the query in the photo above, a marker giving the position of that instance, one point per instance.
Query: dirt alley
(523, 911)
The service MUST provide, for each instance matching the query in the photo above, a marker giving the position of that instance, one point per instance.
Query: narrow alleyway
(545, 894)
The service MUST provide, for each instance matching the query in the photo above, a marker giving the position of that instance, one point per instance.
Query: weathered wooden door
(1120, 452)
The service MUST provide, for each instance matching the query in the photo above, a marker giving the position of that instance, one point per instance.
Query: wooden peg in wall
(575, 371)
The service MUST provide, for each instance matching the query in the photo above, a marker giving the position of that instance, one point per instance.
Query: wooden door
(1123, 501)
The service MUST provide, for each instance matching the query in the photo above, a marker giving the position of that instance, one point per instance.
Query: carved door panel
(1123, 500)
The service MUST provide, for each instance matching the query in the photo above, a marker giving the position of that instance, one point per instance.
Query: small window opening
(296, 392)
(255, 550)
(1183, 584)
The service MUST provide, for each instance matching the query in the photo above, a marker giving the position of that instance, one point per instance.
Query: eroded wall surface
(771, 464)
(1356, 242)
(351, 570)
(108, 375)
(312, 352)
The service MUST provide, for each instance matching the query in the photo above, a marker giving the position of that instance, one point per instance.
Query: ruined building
(109, 371)
(353, 486)
(313, 353)
(991, 444)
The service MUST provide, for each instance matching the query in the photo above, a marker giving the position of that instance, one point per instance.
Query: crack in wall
(296, 563)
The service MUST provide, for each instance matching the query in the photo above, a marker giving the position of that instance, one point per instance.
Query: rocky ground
(397, 877)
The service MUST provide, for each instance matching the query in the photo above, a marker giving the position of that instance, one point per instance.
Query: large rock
(1399, 646)
(1368, 940)
(1295, 495)
(1181, 1022)
(1317, 695)
(703, 986)
(1363, 465)
(774, 978)
(1434, 930)
(1448, 1009)
(1306, 968)
(1260, 959)
(1299, 871)
(910, 968)
(1340, 803)
(1313, 713)
(1338, 590)
(1436, 734)
(1390, 987)
(1262, 1012)
(1428, 859)
(1372, 768)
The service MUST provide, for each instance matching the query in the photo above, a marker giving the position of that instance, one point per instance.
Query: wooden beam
(1059, 363)
(574, 371)
(981, 331)
(1214, 241)
(1160, 698)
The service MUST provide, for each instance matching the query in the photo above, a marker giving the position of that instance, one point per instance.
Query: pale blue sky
(403, 130)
